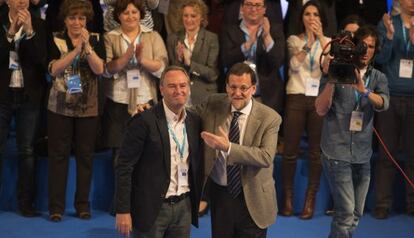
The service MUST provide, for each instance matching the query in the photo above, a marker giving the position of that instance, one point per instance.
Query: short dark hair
(239, 69)
(365, 31)
(352, 19)
(121, 5)
(264, 2)
(72, 7)
(322, 15)
(173, 68)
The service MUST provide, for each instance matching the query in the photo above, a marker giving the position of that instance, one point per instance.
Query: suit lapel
(252, 126)
(165, 138)
(199, 42)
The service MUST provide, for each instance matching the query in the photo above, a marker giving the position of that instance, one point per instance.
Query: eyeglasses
(251, 5)
(242, 88)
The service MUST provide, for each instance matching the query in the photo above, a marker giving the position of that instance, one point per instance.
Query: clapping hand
(217, 142)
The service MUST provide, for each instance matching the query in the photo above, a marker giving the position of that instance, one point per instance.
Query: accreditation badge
(312, 87)
(74, 84)
(406, 68)
(357, 120)
(133, 78)
(182, 174)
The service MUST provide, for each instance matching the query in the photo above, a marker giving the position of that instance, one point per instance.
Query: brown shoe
(287, 210)
(309, 207)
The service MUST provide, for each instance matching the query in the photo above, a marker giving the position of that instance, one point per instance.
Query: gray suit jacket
(255, 155)
(203, 69)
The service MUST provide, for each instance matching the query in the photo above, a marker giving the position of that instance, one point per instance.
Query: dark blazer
(271, 85)
(33, 60)
(203, 68)
(143, 169)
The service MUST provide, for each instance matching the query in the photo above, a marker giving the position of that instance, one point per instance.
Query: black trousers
(62, 131)
(230, 217)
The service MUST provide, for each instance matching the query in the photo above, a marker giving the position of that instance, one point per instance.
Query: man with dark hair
(22, 90)
(158, 175)
(261, 42)
(396, 126)
(346, 141)
(240, 136)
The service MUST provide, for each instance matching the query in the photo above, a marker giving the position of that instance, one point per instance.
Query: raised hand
(24, 19)
(388, 26)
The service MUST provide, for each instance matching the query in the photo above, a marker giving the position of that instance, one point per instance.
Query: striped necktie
(233, 171)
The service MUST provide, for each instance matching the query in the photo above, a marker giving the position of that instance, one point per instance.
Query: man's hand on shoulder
(123, 224)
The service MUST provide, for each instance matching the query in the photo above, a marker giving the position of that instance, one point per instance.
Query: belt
(175, 199)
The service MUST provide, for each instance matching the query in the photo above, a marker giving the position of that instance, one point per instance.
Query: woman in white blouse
(136, 59)
(302, 88)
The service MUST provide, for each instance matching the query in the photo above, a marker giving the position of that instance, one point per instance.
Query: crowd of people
(190, 95)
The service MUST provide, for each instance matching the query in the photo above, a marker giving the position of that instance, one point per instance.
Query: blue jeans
(26, 118)
(349, 187)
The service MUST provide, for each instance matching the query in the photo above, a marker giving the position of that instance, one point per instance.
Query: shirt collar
(246, 110)
(171, 116)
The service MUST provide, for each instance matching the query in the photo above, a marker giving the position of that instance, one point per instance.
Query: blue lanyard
(357, 95)
(312, 55)
(181, 146)
(406, 40)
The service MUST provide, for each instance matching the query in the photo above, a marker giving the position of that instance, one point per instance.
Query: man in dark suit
(22, 89)
(240, 162)
(262, 43)
(158, 175)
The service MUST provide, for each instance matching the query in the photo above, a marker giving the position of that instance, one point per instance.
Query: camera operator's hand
(388, 26)
(359, 86)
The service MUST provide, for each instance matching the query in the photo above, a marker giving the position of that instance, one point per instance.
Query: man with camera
(347, 133)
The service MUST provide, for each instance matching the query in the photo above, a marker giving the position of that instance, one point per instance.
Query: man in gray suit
(240, 163)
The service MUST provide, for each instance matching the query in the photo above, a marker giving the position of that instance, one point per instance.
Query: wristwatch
(367, 92)
(306, 48)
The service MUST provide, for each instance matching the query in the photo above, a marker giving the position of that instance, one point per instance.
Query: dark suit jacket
(267, 65)
(143, 169)
(33, 60)
(203, 68)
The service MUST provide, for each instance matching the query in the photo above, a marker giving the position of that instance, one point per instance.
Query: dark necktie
(233, 171)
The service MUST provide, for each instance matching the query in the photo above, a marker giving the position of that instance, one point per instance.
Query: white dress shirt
(177, 126)
(219, 172)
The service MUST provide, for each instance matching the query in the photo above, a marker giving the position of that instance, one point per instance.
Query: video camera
(346, 53)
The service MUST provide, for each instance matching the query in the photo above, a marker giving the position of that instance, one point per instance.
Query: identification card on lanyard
(133, 78)
(312, 87)
(14, 60)
(74, 84)
(406, 68)
(406, 65)
(357, 120)
(182, 174)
